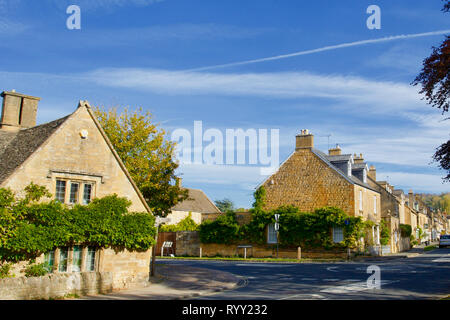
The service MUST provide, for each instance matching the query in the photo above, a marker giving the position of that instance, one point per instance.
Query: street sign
(277, 226)
(277, 216)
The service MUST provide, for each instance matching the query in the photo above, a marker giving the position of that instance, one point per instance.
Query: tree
(147, 154)
(224, 205)
(435, 82)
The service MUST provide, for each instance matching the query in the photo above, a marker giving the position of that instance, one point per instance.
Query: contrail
(328, 48)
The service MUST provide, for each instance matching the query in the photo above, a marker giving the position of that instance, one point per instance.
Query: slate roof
(358, 166)
(341, 157)
(17, 147)
(352, 179)
(196, 202)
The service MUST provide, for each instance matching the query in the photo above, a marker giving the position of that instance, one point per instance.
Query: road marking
(332, 269)
(305, 297)
(354, 287)
(442, 260)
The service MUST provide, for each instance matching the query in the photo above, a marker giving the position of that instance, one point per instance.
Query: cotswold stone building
(197, 204)
(310, 179)
(74, 159)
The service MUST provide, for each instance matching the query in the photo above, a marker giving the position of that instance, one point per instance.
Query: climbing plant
(31, 226)
(187, 224)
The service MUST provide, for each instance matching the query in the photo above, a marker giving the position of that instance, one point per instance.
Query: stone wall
(128, 269)
(308, 183)
(188, 244)
(55, 285)
(405, 244)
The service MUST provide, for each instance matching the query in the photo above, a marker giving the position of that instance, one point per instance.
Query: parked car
(444, 241)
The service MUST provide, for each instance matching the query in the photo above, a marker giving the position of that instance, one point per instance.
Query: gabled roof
(328, 160)
(16, 147)
(352, 179)
(196, 202)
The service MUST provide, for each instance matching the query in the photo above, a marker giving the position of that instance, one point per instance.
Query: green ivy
(305, 229)
(30, 227)
(224, 230)
(36, 270)
(405, 230)
(385, 233)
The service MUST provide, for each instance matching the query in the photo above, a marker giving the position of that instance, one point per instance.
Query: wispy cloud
(381, 95)
(327, 48)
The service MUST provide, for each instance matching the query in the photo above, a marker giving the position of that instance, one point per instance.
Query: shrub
(405, 230)
(224, 230)
(36, 270)
(385, 233)
(187, 224)
(4, 270)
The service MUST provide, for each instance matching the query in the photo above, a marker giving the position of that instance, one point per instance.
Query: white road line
(442, 260)
(304, 297)
(332, 269)
(354, 287)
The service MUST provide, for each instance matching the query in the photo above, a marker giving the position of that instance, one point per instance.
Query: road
(423, 277)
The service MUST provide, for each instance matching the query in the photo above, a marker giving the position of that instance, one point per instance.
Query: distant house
(74, 159)
(311, 179)
(197, 205)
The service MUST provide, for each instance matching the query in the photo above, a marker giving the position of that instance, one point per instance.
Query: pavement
(173, 282)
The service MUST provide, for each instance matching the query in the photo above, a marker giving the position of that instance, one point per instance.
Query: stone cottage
(74, 159)
(197, 205)
(310, 179)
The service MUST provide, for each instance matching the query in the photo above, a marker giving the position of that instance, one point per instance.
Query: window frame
(270, 232)
(340, 234)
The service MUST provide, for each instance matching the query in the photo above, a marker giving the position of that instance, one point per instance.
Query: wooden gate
(166, 236)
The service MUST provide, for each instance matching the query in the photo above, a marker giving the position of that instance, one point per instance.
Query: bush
(405, 230)
(4, 270)
(187, 224)
(385, 233)
(224, 230)
(36, 270)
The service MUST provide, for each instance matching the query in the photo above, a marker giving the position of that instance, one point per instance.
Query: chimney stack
(18, 111)
(335, 151)
(305, 140)
(359, 159)
(373, 173)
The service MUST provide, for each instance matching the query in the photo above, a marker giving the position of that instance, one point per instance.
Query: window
(338, 234)
(87, 194)
(63, 257)
(49, 260)
(76, 260)
(271, 234)
(375, 204)
(60, 193)
(90, 261)
(360, 200)
(74, 187)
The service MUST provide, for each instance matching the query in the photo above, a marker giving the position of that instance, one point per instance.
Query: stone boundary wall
(55, 285)
(405, 244)
(188, 244)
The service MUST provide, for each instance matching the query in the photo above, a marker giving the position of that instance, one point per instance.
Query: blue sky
(137, 53)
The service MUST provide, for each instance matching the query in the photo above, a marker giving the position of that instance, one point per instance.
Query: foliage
(435, 82)
(260, 198)
(4, 270)
(224, 205)
(437, 202)
(413, 241)
(36, 270)
(187, 224)
(224, 230)
(34, 227)
(430, 248)
(405, 230)
(147, 154)
(385, 233)
(296, 228)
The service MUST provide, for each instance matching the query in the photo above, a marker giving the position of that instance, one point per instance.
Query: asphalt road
(423, 277)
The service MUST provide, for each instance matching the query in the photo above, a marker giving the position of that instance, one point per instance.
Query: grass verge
(429, 248)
